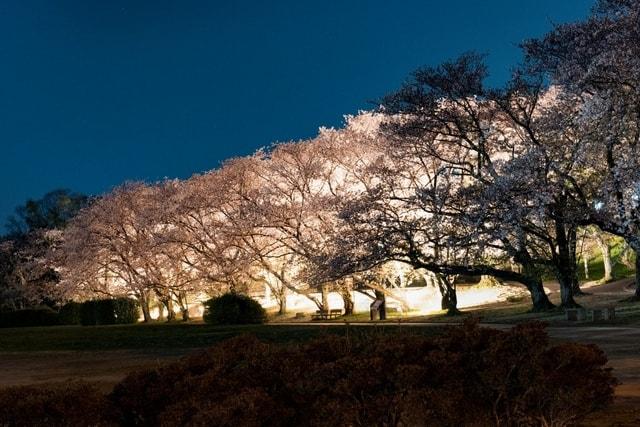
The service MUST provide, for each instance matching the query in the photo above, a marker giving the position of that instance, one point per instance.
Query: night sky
(93, 93)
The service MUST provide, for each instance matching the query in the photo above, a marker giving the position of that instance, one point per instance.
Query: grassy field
(158, 336)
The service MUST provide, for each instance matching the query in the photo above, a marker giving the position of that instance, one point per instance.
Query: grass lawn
(158, 336)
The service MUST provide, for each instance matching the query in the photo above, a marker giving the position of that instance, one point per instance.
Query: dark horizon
(96, 94)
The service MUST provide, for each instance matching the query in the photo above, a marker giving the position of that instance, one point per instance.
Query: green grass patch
(164, 335)
(596, 264)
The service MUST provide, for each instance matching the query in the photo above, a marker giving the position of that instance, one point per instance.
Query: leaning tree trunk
(533, 282)
(539, 298)
(534, 285)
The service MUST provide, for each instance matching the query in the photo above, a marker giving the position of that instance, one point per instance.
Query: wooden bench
(327, 314)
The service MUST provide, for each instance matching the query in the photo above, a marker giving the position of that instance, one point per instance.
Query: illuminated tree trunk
(606, 256)
(143, 299)
(346, 291)
(282, 303)
(383, 307)
(325, 296)
(160, 307)
(184, 305)
(585, 261)
(168, 303)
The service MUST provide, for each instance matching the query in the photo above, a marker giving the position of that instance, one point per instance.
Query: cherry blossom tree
(109, 247)
(598, 60)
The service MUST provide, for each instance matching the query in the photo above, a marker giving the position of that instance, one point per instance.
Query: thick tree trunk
(168, 303)
(325, 296)
(347, 299)
(539, 298)
(564, 260)
(383, 308)
(535, 287)
(282, 304)
(603, 245)
(144, 306)
(449, 299)
(160, 311)
(533, 282)
(575, 285)
(184, 305)
(566, 290)
(573, 261)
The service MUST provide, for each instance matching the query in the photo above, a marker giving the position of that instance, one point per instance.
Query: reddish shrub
(467, 376)
(75, 404)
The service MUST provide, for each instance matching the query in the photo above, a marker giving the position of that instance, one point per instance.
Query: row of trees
(477, 179)
(449, 177)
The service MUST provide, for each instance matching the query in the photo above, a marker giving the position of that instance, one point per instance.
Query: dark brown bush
(467, 376)
(75, 404)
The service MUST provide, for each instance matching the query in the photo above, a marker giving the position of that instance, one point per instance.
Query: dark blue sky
(93, 93)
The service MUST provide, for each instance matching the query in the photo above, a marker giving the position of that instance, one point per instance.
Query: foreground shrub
(97, 312)
(469, 376)
(233, 309)
(125, 310)
(40, 316)
(69, 313)
(109, 312)
(70, 405)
